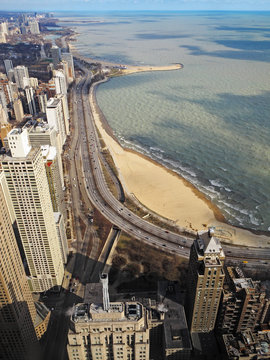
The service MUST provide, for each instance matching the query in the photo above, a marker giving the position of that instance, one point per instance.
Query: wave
(235, 214)
(152, 148)
(217, 183)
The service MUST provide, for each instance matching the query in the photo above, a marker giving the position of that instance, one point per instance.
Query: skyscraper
(54, 179)
(68, 57)
(4, 27)
(27, 182)
(55, 118)
(64, 102)
(18, 339)
(42, 134)
(8, 65)
(60, 82)
(56, 55)
(42, 102)
(31, 100)
(18, 110)
(242, 303)
(34, 27)
(20, 72)
(205, 282)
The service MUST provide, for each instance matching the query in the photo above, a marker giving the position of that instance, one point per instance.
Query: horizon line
(133, 10)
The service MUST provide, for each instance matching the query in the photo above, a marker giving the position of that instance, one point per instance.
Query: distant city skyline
(93, 5)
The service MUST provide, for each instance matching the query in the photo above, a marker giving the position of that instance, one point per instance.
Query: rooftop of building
(42, 312)
(175, 325)
(207, 243)
(53, 102)
(236, 281)
(244, 283)
(93, 293)
(16, 131)
(248, 344)
(45, 150)
(36, 125)
(52, 153)
(119, 311)
(31, 156)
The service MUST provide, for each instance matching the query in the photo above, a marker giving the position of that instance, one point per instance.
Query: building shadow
(62, 303)
(18, 339)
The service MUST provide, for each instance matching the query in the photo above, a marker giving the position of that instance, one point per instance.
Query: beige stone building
(17, 309)
(28, 186)
(121, 333)
(205, 282)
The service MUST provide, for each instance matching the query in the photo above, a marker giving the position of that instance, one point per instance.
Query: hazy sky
(135, 5)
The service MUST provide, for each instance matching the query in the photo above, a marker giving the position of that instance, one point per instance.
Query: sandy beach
(161, 190)
(168, 194)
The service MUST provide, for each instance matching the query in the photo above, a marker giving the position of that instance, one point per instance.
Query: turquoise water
(210, 121)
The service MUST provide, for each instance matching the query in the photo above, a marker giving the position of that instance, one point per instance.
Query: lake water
(210, 121)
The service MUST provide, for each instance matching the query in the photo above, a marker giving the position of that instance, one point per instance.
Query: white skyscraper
(28, 186)
(20, 72)
(55, 118)
(60, 82)
(42, 134)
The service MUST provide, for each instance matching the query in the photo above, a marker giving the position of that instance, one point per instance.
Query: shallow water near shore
(210, 121)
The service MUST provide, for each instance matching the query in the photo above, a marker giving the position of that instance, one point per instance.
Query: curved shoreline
(217, 213)
(233, 234)
(236, 235)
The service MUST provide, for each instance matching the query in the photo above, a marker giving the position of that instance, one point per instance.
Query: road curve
(114, 210)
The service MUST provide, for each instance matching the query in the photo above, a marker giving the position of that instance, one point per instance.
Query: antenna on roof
(106, 299)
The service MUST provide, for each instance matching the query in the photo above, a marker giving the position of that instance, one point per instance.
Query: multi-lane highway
(114, 210)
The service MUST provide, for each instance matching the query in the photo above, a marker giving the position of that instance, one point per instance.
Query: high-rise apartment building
(8, 65)
(54, 179)
(205, 282)
(5, 86)
(56, 55)
(30, 97)
(60, 82)
(20, 72)
(3, 115)
(68, 57)
(18, 339)
(4, 27)
(31, 82)
(28, 186)
(55, 118)
(64, 103)
(18, 110)
(242, 303)
(40, 133)
(42, 102)
(34, 27)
